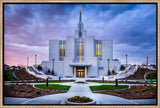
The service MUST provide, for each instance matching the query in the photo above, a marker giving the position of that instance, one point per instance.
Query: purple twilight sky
(28, 27)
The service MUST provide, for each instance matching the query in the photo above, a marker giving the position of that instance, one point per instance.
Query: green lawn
(62, 81)
(53, 87)
(108, 87)
(100, 82)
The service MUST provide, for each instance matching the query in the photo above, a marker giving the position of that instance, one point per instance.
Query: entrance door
(80, 72)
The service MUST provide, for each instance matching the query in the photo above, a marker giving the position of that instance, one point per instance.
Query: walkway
(81, 90)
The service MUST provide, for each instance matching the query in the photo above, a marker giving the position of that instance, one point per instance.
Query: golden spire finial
(80, 9)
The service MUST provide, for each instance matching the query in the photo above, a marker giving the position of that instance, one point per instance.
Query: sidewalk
(81, 90)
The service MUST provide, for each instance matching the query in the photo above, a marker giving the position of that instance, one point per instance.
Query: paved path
(145, 101)
(81, 90)
(11, 100)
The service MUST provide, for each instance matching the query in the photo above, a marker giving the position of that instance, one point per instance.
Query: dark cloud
(132, 27)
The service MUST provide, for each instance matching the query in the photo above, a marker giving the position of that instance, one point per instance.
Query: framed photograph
(80, 53)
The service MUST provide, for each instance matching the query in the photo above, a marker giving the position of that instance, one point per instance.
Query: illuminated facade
(81, 55)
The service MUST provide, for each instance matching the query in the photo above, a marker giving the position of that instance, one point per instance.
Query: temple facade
(81, 55)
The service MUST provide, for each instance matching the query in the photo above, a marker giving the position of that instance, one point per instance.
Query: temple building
(81, 55)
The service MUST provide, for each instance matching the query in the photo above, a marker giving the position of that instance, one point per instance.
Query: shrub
(81, 98)
(39, 67)
(128, 92)
(146, 81)
(70, 99)
(113, 72)
(145, 84)
(126, 79)
(48, 71)
(147, 89)
(143, 90)
(109, 72)
(151, 75)
(38, 92)
(137, 91)
(12, 88)
(85, 99)
(118, 92)
(29, 91)
(122, 67)
(77, 97)
(151, 81)
(22, 90)
(52, 72)
(134, 76)
(150, 87)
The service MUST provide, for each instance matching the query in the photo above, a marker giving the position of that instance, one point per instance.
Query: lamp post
(108, 66)
(53, 66)
(147, 62)
(126, 59)
(27, 61)
(35, 59)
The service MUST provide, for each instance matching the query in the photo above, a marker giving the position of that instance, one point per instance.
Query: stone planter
(87, 103)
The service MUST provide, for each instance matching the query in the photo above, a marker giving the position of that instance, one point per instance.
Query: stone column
(74, 72)
(85, 71)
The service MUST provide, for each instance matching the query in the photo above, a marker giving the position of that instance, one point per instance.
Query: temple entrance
(80, 72)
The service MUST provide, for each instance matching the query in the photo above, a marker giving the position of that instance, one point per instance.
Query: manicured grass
(100, 82)
(62, 81)
(53, 87)
(108, 87)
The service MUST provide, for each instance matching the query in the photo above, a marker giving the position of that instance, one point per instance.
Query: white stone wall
(107, 50)
(92, 70)
(68, 70)
(47, 65)
(59, 68)
(54, 50)
(105, 68)
(113, 65)
(89, 44)
(63, 68)
(70, 46)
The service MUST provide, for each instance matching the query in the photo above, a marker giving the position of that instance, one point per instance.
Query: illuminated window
(99, 59)
(80, 59)
(61, 50)
(80, 49)
(99, 49)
